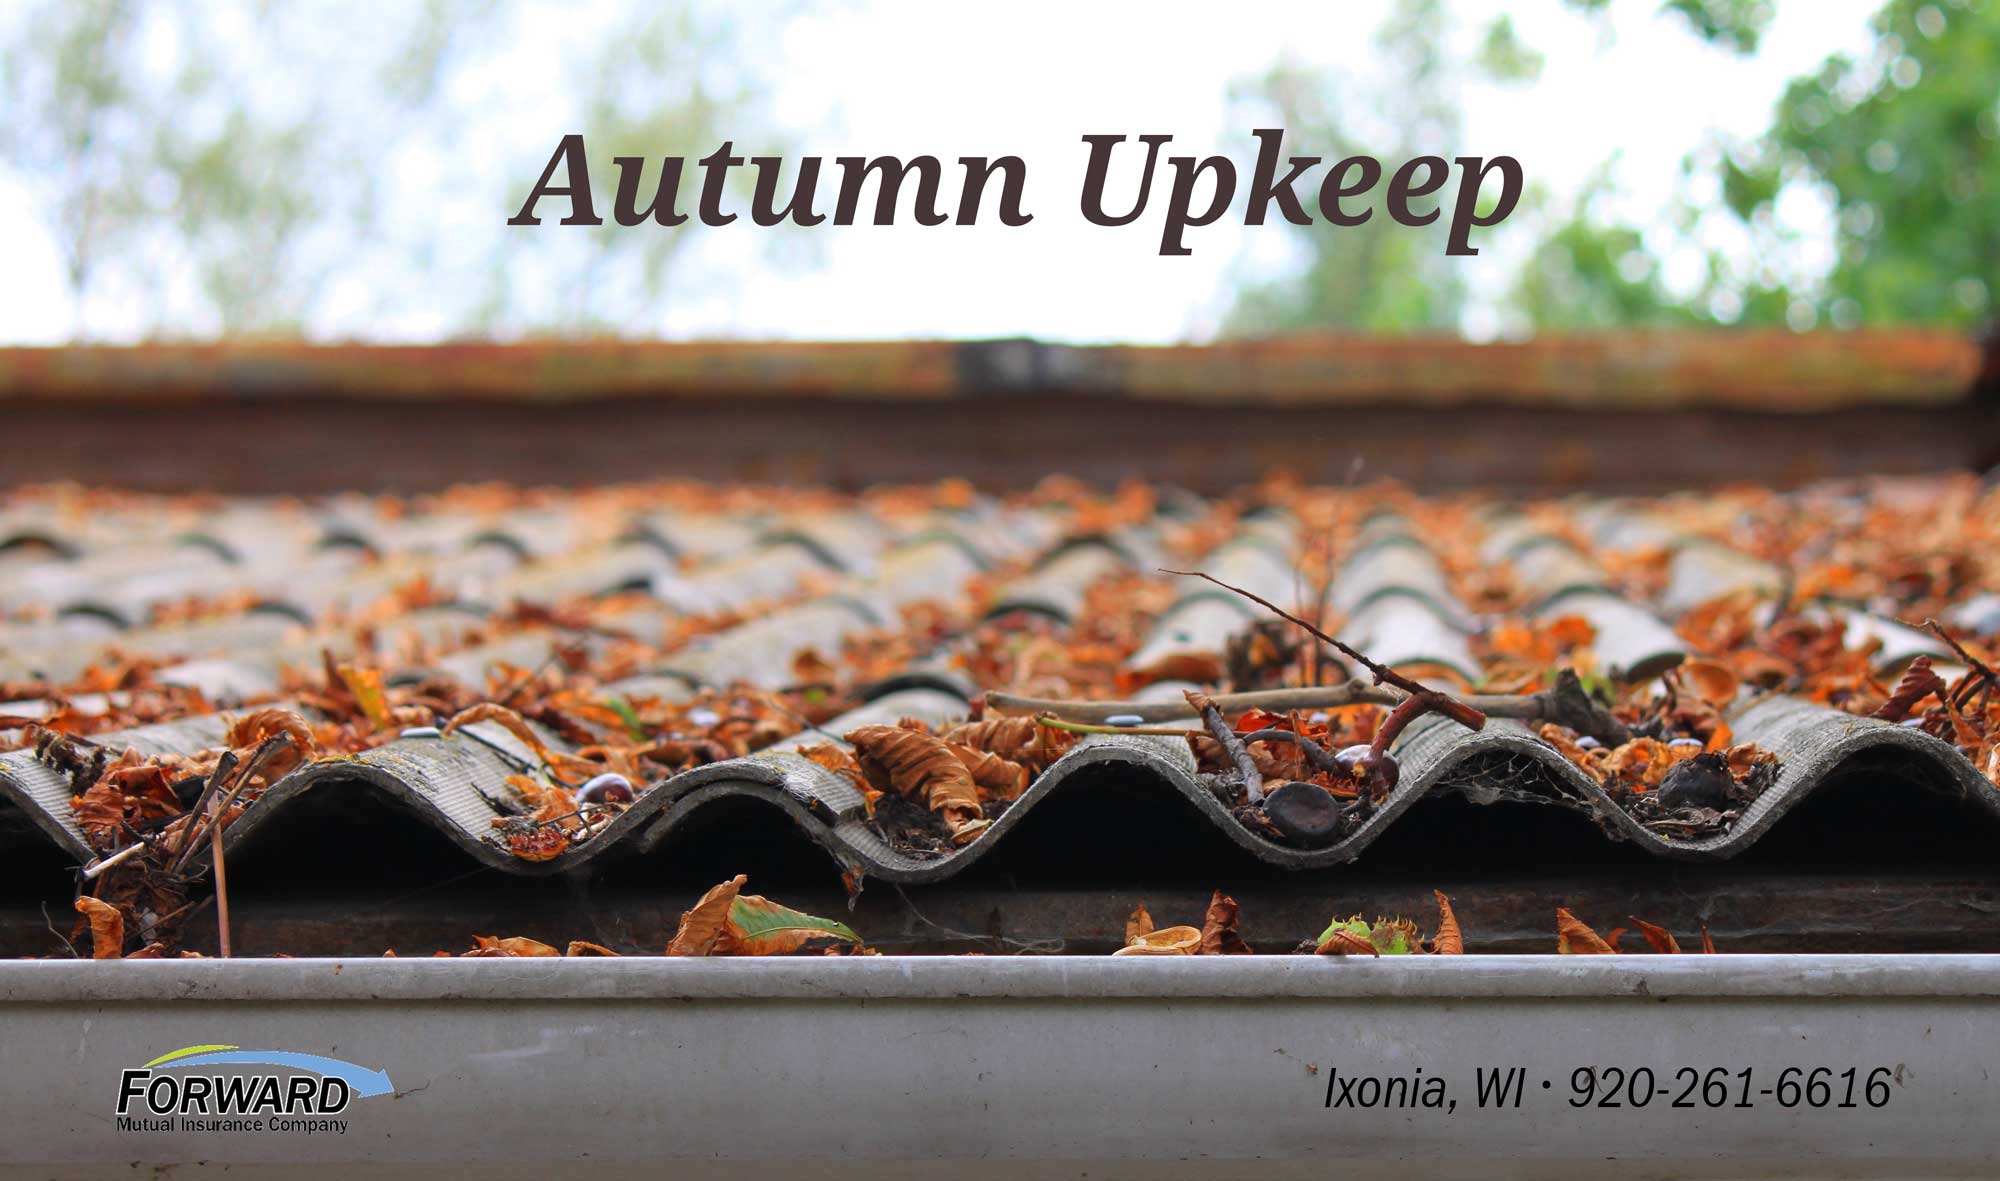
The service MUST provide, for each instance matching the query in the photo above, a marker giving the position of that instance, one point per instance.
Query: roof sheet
(911, 603)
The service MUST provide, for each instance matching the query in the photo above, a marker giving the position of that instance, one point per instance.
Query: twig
(1055, 723)
(1442, 703)
(221, 889)
(241, 780)
(1985, 674)
(1225, 736)
(62, 938)
(91, 871)
(223, 767)
(1567, 704)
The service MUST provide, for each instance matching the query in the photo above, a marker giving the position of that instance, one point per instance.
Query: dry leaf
(1660, 938)
(1218, 928)
(1343, 942)
(583, 947)
(1139, 924)
(366, 685)
(516, 946)
(918, 766)
(1448, 940)
(1574, 938)
(515, 724)
(107, 928)
(704, 928)
(1001, 778)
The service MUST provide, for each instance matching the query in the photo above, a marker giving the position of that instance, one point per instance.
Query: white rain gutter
(1127, 1066)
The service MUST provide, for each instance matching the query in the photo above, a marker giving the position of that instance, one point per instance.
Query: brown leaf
(1707, 944)
(1140, 924)
(920, 767)
(255, 727)
(840, 761)
(107, 928)
(1918, 683)
(100, 812)
(515, 724)
(1448, 940)
(515, 946)
(1022, 740)
(582, 947)
(1218, 928)
(704, 928)
(1574, 938)
(1660, 938)
(1339, 942)
(1002, 778)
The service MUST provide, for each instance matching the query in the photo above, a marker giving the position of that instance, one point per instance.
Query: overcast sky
(914, 76)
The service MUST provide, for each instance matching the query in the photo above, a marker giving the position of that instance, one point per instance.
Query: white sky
(904, 77)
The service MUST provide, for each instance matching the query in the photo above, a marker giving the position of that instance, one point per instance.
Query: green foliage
(1903, 143)
(1907, 141)
(1505, 57)
(1378, 276)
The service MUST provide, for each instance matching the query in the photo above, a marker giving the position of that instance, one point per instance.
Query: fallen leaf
(366, 685)
(516, 946)
(1660, 938)
(583, 947)
(1338, 940)
(1448, 940)
(1218, 928)
(107, 928)
(704, 928)
(1141, 923)
(1574, 938)
(918, 766)
(1002, 778)
(760, 926)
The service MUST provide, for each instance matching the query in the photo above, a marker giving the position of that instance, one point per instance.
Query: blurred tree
(1905, 143)
(121, 123)
(1589, 273)
(1902, 145)
(1378, 276)
(1734, 24)
(195, 185)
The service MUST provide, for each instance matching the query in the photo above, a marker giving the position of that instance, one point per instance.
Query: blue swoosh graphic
(364, 1082)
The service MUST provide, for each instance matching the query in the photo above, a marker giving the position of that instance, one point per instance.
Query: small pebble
(703, 717)
(1588, 743)
(1912, 723)
(1123, 720)
(1687, 742)
(1320, 717)
(422, 732)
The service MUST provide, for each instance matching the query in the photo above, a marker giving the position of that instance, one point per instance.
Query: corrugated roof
(665, 594)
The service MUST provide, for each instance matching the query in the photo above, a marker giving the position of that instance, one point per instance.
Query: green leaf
(767, 928)
(627, 715)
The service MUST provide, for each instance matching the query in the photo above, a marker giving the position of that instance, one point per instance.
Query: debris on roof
(552, 679)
